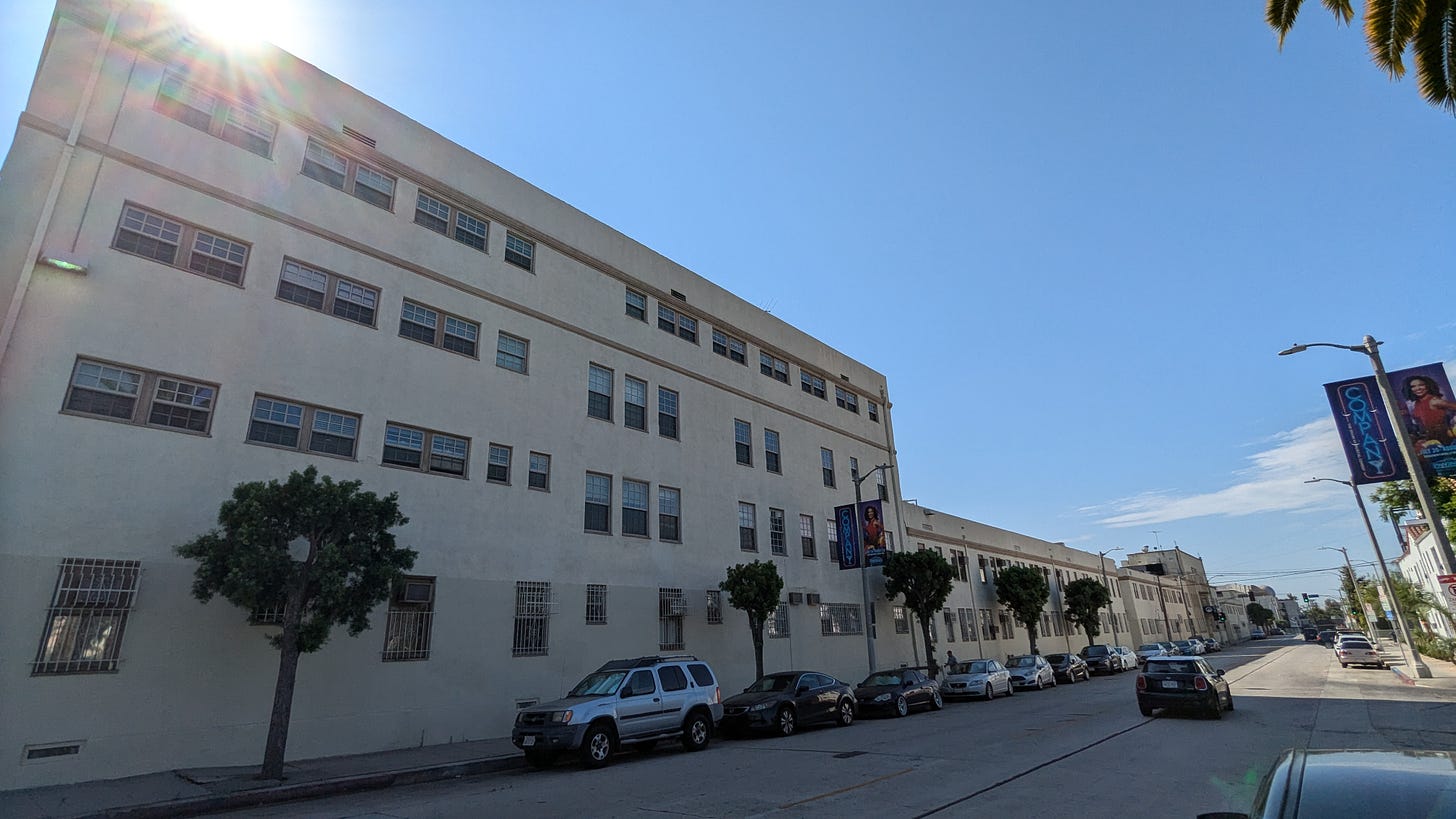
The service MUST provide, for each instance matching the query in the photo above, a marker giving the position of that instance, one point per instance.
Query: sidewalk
(205, 790)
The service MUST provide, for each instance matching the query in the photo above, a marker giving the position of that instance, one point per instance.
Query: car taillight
(1200, 683)
(717, 694)
(1142, 683)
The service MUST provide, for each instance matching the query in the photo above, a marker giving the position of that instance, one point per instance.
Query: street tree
(1085, 599)
(754, 588)
(1415, 602)
(1395, 498)
(1024, 592)
(1426, 27)
(349, 565)
(1258, 615)
(924, 579)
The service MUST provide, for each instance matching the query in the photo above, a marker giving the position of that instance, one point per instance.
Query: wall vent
(51, 751)
(367, 140)
(678, 296)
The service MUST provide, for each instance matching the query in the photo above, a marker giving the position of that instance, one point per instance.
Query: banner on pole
(1366, 433)
(1428, 410)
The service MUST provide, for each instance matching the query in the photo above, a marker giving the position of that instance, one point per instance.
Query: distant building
(1420, 563)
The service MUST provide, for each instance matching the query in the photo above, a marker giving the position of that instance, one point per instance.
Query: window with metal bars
(714, 605)
(531, 631)
(87, 617)
(777, 625)
(410, 621)
(671, 607)
(837, 619)
(596, 604)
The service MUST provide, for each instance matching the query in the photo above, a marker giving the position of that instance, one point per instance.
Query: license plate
(528, 741)
(1170, 683)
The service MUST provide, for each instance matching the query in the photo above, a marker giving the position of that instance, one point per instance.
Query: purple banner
(1428, 410)
(848, 527)
(866, 530)
(1365, 431)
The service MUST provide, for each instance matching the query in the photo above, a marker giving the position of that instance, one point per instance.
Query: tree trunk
(1031, 632)
(288, 653)
(929, 646)
(755, 625)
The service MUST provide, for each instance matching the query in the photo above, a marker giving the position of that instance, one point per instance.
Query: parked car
(783, 701)
(1310, 633)
(1351, 784)
(1183, 683)
(897, 691)
(635, 701)
(1030, 671)
(1171, 648)
(1101, 658)
(1187, 648)
(1211, 644)
(1147, 650)
(1069, 667)
(1355, 651)
(1129, 657)
(1327, 638)
(976, 678)
(1256, 634)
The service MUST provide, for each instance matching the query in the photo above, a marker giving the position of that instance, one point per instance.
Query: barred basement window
(424, 324)
(162, 239)
(806, 535)
(136, 396)
(811, 383)
(636, 305)
(448, 220)
(339, 170)
(777, 540)
(599, 392)
(520, 252)
(671, 606)
(292, 425)
(714, 604)
(836, 619)
(87, 616)
(411, 618)
(669, 514)
(777, 625)
(329, 293)
(775, 368)
(539, 476)
(533, 619)
(902, 620)
(596, 604)
(667, 413)
(229, 121)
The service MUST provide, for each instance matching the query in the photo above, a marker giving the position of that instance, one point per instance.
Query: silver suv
(625, 702)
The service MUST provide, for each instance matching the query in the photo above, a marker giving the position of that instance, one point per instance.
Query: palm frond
(1390, 25)
(1435, 53)
(1341, 9)
(1280, 14)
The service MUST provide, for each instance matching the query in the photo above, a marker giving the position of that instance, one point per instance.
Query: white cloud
(1273, 482)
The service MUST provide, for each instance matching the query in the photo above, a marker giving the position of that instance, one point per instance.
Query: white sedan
(976, 678)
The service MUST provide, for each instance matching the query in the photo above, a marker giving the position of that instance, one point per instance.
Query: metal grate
(714, 605)
(596, 604)
(671, 606)
(778, 623)
(87, 616)
(533, 619)
(408, 628)
(840, 618)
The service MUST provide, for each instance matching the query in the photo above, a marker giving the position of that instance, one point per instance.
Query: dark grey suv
(632, 702)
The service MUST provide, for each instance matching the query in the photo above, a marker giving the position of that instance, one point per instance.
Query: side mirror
(1219, 672)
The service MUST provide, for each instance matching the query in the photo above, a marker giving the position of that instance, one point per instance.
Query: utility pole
(864, 565)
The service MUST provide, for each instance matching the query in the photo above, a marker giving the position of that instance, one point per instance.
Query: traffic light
(1222, 618)
(1306, 598)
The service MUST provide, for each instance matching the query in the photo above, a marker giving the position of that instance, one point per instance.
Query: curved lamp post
(1111, 616)
(864, 560)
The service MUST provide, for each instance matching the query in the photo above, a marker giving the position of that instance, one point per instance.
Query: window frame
(872, 410)
(441, 330)
(306, 428)
(742, 442)
(826, 466)
(411, 621)
(644, 510)
(807, 543)
(524, 259)
(605, 506)
(629, 306)
(531, 625)
(596, 604)
(730, 347)
(65, 648)
(675, 415)
(628, 382)
(328, 304)
(813, 384)
(683, 326)
(747, 527)
(772, 455)
(452, 227)
(502, 337)
(666, 533)
(426, 450)
(532, 472)
(778, 540)
(594, 410)
(492, 468)
(188, 234)
(220, 121)
(352, 167)
(773, 366)
(846, 399)
(145, 401)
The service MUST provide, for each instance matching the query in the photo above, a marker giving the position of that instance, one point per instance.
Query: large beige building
(220, 268)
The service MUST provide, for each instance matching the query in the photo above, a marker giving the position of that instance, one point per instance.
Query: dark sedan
(898, 690)
(1069, 667)
(1183, 683)
(782, 702)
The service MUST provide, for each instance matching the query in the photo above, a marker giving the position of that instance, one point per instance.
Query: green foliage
(1024, 592)
(351, 565)
(1395, 498)
(754, 588)
(1085, 599)
(1434, 646)
(1258, 615)
(924, 579)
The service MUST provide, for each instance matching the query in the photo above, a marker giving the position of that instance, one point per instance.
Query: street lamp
(864, 560)
(1421, 669)
(1371, 348)
(1111, 617)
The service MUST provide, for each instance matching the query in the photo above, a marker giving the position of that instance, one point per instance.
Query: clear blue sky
(1087, 228)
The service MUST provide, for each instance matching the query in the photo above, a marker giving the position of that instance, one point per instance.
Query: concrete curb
(273, 794)
(1400, 674)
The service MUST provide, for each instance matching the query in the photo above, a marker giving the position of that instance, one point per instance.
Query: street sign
(1448, 585)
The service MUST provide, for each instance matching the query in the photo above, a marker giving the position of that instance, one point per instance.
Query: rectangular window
(498, 465)
(771, 460)
(968, 624)
(520, 252)
(679, 324)
(806, 535)
(161, 239)
(406, 447)
(328, 293)
(986, 626)
(539, 476)
(729, 347)
(136, 396)
(292, 425)
(777, 625)
(777, 539)
(669, 514)
(424, 324)
(950, 625)
(846, 400)
(533, 619)
(667, 413)
(634, 508)
(634, 403)
(873, 410)
(836, 619)
(743, 442)
(671, 606)
(775, 368)
(902, 620)
(714, 605)
(831, 532)
(348, 174)
(598, 503)
(596, 604)
(811, 383)
(826, 463)
(747, 527)
(599, 392)
(229, 121)
(87, 616)
(409, 623)
(853, 468)
(511, 353)
(448, 220)
(636, 305)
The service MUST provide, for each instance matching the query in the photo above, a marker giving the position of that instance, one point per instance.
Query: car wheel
(1231, 702)
(902, 706)
(1344, 665)
(540, 760)
(1054, 681)
(596, 747)
(990, 693)
(785, 721)
(1216, 711)
(1145, 710)
(845, 716)
(696, 732)
(1010, 689)
(1040, 685)
(937, 702)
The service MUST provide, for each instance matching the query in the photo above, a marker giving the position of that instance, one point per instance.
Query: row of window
(248, 128)
(601, 387)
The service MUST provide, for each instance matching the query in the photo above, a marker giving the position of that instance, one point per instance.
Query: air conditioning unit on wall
(795, 598)
(813, 598)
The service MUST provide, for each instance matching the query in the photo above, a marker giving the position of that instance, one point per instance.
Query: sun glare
(239, 24)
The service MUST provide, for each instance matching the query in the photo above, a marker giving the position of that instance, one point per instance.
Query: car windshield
(1150, 647)
(1057, 658)
(773, 682)
(1095, 651)
(598, 683)
(1174, 667)
(1024, 661)
(1353, 643)
(882, 678)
